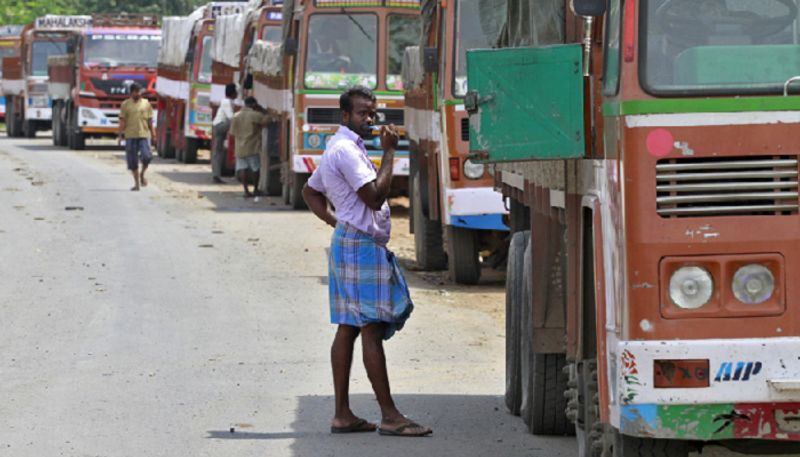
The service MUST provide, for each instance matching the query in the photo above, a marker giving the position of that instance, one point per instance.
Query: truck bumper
(477, 208)
(95, 120)
(743, 389)
(38, 114)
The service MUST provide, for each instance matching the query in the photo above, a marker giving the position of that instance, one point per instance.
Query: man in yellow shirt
(136, 128)
(246, 129)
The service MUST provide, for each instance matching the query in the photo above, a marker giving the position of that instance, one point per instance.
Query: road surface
(152, 323)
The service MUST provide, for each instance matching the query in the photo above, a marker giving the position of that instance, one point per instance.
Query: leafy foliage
(25, 11)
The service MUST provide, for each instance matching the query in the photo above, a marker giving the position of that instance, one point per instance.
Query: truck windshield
(272, 33)
(40, 51)
(404, 31)
(117, 50)
(719, 46)
(342, 51)
(204, 74)
(469, 35)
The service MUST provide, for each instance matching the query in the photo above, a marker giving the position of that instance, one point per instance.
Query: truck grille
(465, 129)
(727, 186)
(333, 116)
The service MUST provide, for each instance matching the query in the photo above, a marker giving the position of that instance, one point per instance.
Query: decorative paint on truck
(9, 47)
(657, 174)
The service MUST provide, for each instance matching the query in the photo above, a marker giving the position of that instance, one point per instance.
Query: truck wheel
(543, 380)
(78, 137)
(514, 303)
(427, 234)
(61, 138)
(56, 123)
(462, 253)
(286, 188)
(14, 127)
(630, 446)
(296, 194)
(190, 153)
(273, 175)
(29, 129)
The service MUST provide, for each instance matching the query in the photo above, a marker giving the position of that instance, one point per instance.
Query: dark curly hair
(346, 99)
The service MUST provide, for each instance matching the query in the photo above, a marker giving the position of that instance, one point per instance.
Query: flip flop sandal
(356, 427)
(399, 431)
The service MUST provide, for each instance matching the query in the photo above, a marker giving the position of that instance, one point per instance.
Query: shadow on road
(464, 425)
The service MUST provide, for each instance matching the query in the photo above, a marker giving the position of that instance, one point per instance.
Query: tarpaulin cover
(266, 57)
(524, 22)
(228, 36)
(413, 71)
(176, 32)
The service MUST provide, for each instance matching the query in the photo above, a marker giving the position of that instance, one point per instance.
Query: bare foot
(144, 182)
(135, 188)
(248, 195)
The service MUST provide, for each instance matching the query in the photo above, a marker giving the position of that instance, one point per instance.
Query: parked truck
(184, 81)
(650, 155)
(9, 47)
(327, 46)
(90, 81)
(25, 80)
(236, 34)
(456, 212)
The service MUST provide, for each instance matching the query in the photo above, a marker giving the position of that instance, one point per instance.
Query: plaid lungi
(365, 282)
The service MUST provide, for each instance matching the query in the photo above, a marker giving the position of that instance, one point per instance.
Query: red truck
(89, 83)
(25, 80)
(184, 81)
(9, 47)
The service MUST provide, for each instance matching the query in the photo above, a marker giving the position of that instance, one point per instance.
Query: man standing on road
(368, 294)
(221, 125)
(136, 128)
(246, 129)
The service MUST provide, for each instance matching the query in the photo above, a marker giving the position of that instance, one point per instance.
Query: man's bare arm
(318, 204)
(374, 193)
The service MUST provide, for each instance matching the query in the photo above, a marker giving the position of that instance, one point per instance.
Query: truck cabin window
(341, 51)
(204, 73)
(121, 50)
(468, 35)
(272, 33)
(719, 46)
(41, 50)
(404, 31)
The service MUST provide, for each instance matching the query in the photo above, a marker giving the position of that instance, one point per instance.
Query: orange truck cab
(28, 103)
(457, 213)
(328, 46)
(9, 47)
(89, 83)
(649, 150)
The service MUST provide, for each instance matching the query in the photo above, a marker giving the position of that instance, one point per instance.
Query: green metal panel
(526, 103)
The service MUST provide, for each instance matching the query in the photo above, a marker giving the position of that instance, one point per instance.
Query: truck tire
(630, 446)
(514, 303)
(78, 138)
(296, 194)
(286, 189)
(427, 234)
(61, 138)
(29, 129)
(273, 186)
(56, 124)
(14, 122)
(462, 254)
(543, 380)
(190, 152)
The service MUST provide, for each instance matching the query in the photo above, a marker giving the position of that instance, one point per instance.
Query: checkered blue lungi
(365, 283)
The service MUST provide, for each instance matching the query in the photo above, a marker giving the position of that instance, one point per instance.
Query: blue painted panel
(480, 222)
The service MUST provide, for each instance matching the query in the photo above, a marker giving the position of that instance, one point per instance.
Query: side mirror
(430, 60)
(290, 46)
(589, 7)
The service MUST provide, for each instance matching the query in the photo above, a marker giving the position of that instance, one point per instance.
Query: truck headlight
(473, 170)
(753, 284)
(88, 114)
(691, 287)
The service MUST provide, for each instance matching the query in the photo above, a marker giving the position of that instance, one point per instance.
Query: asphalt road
(151, 323)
